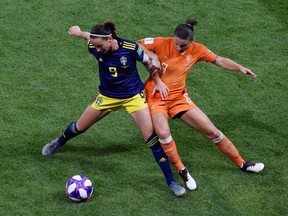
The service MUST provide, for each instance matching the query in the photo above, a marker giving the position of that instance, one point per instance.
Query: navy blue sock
(70, 132)
(160, 157)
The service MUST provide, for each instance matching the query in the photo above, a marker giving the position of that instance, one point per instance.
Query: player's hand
(153, 69)
(247, 71)
(156, 63)
(162, 89)
(154, 66)
(74, 31)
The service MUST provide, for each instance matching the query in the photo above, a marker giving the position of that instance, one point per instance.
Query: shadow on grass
(89, 150)
(61, 197)
(238, 119)
(84, 158)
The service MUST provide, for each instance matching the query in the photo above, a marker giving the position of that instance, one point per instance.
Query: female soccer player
(120, 86)
(168, 96)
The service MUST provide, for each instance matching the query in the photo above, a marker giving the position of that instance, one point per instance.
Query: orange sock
(170, 150)
(228, 148)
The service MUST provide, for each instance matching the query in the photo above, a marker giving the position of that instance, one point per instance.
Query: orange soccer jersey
(175, 65)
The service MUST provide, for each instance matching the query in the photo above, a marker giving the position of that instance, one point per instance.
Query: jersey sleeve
(91, 47)
(148, 43)
(206, 54)
(134, 49)
(139, 54)
(152, 43)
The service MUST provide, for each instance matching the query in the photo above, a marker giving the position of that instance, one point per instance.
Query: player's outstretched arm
(233, 66)
(75, 31)
(156, 64)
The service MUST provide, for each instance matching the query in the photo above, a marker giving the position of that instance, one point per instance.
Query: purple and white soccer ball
(79, 188)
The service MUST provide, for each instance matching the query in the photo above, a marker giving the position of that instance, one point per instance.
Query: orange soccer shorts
(171, 106)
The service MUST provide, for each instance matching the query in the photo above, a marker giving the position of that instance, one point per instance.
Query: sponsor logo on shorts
(98, 101)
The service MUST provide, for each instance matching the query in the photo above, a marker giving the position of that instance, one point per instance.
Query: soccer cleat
(50, 148)
(248, 166)
(187, 178)
(177, 189)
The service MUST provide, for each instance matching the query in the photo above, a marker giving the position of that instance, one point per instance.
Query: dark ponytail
(104, 30)
(185, 30)
(111, 25)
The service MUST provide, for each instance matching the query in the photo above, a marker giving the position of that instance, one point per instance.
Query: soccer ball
(79, 188)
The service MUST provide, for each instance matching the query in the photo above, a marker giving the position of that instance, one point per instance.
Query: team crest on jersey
(123, 60)
(98, 101)
(188, 60)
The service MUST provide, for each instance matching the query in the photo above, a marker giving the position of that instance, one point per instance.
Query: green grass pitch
(48, 78)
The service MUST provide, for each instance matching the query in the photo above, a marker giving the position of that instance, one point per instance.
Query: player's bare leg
(198, 120)
(89, 117)
(160, 122)
(143, 120)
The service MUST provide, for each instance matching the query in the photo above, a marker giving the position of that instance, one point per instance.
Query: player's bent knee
(162, 134)
(166, 140)
(219, 138)
(80, 129)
